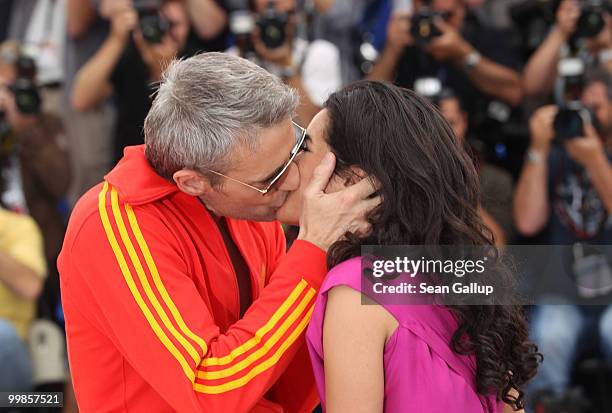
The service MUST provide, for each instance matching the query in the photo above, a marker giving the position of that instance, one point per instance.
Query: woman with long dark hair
(404, 358)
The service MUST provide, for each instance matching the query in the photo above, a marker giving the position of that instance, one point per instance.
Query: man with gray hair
(178, 296)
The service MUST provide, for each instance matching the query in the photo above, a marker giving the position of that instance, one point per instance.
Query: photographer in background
(270, 40)
(144, 37)
(40, 27)
(442, 39)
(565, 194)
(565, 187)
(34, 180)
(34, 158)
(581, 28)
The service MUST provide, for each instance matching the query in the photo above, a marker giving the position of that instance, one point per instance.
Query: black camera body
(591, 21)
(273, 26)
(422, 26)
(24, 89)
(570, 121)
(153, 25)
(572, 115)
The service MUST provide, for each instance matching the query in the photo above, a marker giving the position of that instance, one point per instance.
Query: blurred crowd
(524, 84)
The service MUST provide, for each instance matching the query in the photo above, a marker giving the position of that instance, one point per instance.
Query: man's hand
(325, 217)
(541, 128)
(586, 149)
(450, 45)
(567, 17)
(398, 32)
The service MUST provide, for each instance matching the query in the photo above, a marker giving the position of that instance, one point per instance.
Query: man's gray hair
(208, 104)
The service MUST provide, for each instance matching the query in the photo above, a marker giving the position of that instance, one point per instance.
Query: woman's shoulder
(433, 319)
(349, 273)
(341, 297)
(346, 273)
(341, 289)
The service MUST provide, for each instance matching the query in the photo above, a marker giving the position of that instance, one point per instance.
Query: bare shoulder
(347, 307)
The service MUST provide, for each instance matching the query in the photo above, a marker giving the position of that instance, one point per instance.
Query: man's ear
(192, 182)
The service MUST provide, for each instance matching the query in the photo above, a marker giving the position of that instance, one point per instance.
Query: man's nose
(291, 179)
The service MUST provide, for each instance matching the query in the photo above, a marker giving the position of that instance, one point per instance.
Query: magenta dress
(422, 373)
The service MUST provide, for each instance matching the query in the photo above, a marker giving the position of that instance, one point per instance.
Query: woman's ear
(191, 182)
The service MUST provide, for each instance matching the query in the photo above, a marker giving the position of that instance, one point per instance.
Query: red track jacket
(152, 304)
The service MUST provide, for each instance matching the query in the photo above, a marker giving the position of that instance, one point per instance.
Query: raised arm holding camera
(34, 160)
(566, 181)
(269, 48)
(34, 180)
(581, 28)
(442, 40)
(144, 37)
(563, 197)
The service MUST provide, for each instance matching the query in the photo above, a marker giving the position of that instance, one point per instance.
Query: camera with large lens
(572, 114)
(273, 26)
(423, 27)
(591, 21)
(153, 25)
(25, 91)
(570, 121)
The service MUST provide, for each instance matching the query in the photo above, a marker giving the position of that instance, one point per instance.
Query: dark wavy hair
(430, 193)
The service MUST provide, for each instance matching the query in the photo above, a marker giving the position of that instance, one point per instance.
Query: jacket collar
(136, 181)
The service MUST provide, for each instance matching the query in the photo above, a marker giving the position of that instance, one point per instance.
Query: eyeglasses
(300, 137)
